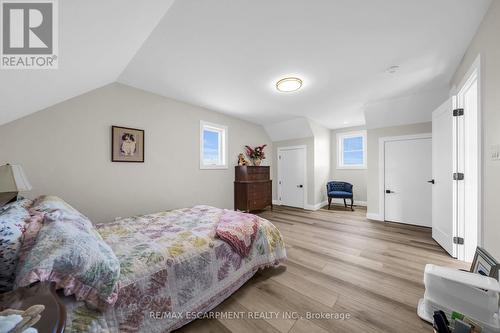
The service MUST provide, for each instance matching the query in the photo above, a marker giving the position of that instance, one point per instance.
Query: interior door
(468, 156)
(292, 167)
(443, 225)
(407, 190)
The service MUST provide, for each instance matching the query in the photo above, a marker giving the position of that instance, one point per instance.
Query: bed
(171, 267)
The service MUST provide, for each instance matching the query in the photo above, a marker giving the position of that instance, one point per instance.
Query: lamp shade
(13, 179)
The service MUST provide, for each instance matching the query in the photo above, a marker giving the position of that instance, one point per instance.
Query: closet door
(407, 172)
(291, 175)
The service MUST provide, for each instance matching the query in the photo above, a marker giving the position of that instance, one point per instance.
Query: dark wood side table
(53, 317)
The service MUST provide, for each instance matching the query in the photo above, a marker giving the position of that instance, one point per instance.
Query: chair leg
(352, 203)
(345, 203)
(329, 202)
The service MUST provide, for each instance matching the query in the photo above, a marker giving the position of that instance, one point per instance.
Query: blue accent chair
(339, 190)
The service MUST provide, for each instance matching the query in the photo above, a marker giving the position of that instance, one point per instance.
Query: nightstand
(53, 317)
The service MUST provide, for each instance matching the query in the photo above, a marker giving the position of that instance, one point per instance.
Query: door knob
(431, 181)
(300, 186)
(388, 191)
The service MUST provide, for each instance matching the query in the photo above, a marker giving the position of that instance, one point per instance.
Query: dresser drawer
(252, 188)
(257, 204)
(259, 190)
(252, 173)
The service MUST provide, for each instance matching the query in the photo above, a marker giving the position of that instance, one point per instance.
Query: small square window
(351, 150)
(213, 146)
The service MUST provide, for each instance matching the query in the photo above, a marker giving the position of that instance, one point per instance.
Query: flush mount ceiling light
(289, 84)
(392, 69)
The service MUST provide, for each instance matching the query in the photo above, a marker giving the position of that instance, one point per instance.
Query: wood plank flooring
(338, 263)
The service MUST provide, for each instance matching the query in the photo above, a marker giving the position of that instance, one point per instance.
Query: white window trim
(340, 149)
(224, 130)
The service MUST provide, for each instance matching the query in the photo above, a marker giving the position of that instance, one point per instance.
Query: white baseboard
(306, 206)
(356, 203)
(324, 203)
(374, 216)
(316, 206)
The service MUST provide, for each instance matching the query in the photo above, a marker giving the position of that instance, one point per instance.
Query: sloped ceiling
(296, 128)
(97, 39)
(410, 109)
(226, 55)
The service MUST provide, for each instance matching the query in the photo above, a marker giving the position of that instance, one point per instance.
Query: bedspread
(172, 267)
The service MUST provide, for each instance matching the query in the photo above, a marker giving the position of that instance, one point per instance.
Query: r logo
(29, 33)
(27, 28)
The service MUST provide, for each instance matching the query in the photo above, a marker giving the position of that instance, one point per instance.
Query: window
(351, 149)
(213, 146)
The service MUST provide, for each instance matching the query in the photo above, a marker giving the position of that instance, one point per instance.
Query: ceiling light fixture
(392, 69)
(289, 84)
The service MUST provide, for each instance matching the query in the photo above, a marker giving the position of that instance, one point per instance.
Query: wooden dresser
(252, 188)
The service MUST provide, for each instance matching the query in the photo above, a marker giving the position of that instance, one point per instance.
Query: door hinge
(458, 240)
(280, 198)
(458, 112)
(458, 176)
(279, 182)
(279, 157)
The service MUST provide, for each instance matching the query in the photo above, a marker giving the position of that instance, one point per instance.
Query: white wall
(373, 194)
(322, 154)
(486, 43)
(357, 177)
(65, 150)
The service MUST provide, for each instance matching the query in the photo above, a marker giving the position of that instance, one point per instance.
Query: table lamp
(12, 181)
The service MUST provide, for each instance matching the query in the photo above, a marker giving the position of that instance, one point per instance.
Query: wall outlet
(495, 152)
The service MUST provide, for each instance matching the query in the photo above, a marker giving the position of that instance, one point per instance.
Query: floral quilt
(66, 249)
(172, 265)
(13, 221)
(238, 230)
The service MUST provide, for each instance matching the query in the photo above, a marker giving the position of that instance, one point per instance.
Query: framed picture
(484, 264)
(127, 144)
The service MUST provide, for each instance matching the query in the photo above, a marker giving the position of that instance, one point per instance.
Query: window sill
(213, 167)
(363, 167)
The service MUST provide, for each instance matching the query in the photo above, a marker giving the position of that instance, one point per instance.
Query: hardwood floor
(338, 263)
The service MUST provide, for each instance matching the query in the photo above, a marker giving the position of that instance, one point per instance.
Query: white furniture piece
(473, 295)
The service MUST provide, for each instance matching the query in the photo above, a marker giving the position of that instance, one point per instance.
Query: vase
(257, 161)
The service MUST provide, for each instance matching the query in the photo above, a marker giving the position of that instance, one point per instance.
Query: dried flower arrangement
(256, 154)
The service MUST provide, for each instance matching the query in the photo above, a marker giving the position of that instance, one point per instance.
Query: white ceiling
(226, 55)
(97, 39)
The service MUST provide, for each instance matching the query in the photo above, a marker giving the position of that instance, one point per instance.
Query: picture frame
(127, 144)
(484, 264)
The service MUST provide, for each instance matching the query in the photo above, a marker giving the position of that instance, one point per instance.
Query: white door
(468, 157)
(443, 225)
(291, 176)
(407, 170)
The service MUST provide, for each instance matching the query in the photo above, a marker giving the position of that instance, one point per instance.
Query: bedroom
(178, 89)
